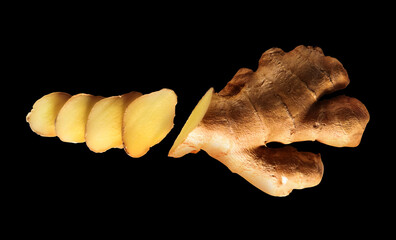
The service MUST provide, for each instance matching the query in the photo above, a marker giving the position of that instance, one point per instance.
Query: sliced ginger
(147, 120)
(42, 117)
(72, 118)
(192, 122)
(279, 102)
(133, 120)
(104, 125)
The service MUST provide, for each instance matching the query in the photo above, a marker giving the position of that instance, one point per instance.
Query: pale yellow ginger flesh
(72, 118)
(104, 124)
(147, 120)
(192, 122)
(279, 102)
(42, 117)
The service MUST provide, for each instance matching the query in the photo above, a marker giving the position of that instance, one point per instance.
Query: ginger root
(279, 102)
(132, 121)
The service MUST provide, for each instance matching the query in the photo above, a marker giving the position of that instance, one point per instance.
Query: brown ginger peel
(279, 102)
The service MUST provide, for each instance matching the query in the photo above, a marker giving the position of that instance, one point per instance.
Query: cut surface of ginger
(72, 118)
(193, 120)
(147, 120)
(104, 124)
(43, 114)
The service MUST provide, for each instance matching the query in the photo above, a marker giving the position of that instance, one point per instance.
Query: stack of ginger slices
(132, 121)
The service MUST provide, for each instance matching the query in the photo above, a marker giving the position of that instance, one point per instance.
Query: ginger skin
(279, 102)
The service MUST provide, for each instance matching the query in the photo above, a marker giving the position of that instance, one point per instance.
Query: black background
(105, 52)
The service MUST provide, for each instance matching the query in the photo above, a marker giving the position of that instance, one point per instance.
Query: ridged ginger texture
(279, 102)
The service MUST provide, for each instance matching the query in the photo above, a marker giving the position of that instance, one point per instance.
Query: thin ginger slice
(43, 114)
(147, 121)
(72, 118)
(104, 124)
(192, 122)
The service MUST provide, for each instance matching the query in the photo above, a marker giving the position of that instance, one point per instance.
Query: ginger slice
(147, 120)
(279, 102)
(43, 114)
(104, 124)
(72, 118)
(192, 122)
